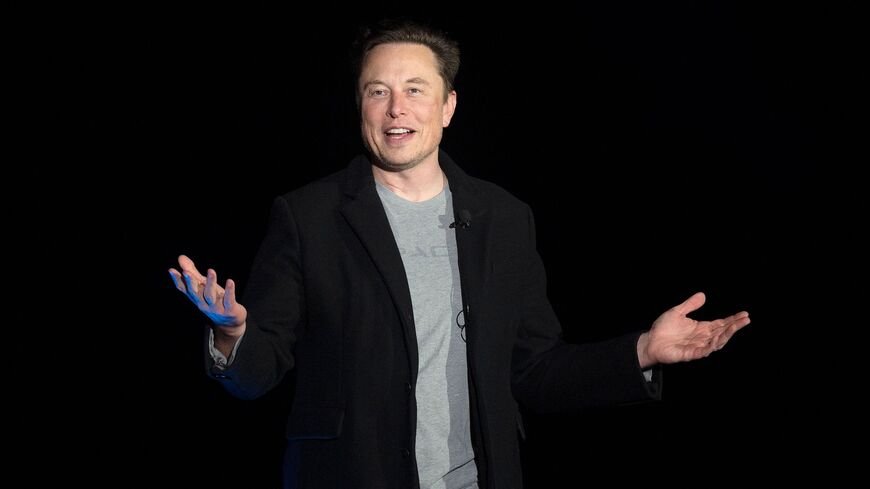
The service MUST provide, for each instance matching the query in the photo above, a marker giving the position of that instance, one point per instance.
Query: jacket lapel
(471, 242)
(365, 213)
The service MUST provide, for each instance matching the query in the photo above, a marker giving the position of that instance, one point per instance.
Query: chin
(393, 165)
(398, 164)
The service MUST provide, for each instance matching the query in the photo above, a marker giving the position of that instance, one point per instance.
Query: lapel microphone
(464, 221)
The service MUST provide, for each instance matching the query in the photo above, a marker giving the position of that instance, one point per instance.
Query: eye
(415, 91)
(377, 92)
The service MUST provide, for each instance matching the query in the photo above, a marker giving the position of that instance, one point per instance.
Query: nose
(397, 106)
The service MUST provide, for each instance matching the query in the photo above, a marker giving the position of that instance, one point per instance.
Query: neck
(416, 184)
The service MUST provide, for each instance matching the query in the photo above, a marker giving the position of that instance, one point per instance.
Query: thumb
(691, 304)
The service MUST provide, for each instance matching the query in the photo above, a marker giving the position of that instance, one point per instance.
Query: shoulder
(496, 192)
(498, 198)
(317, 193)
(480, 191)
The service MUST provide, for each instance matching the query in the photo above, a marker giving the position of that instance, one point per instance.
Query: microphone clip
(464, 220)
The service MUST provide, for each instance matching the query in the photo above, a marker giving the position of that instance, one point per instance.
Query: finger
(738, 324)
(188, 266)
(719, 325)
(701, 352)
(209, 293)
(177, 280)
(193, 289)
(705, 342)
(722, 339)
(691, 304)
(734, 322)
(708, 347)
(737, 317)
(229, 295)
(729, 332)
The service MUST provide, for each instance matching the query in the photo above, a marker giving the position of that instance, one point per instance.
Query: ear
(448, 109)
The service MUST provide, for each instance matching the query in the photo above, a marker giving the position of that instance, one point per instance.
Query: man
(411, 301)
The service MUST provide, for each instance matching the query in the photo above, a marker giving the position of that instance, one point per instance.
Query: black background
(665, 149)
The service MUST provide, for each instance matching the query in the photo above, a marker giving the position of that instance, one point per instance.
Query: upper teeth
(400, 130)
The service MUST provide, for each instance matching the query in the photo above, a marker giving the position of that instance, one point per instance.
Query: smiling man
(405, 105)
(411, 301)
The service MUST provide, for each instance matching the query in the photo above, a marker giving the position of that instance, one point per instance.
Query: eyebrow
(416, 80)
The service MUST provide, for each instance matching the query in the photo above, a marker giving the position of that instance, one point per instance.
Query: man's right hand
(216, 302)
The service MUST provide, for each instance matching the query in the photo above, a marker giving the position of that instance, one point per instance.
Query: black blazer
(328, 297)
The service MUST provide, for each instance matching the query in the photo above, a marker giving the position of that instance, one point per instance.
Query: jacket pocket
(322, 423)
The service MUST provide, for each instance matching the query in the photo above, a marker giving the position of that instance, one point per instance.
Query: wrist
(643, 357)
(225, 339)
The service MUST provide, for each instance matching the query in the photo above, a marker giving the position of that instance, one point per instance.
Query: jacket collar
(360, 179)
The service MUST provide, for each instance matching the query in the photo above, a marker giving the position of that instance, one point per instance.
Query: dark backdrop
(665, 149)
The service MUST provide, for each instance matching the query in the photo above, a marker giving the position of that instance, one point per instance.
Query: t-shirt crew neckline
(436, 201)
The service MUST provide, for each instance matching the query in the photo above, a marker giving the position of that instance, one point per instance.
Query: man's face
(402, 105)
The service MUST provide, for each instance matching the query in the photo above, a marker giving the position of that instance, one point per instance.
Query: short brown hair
(405, 31)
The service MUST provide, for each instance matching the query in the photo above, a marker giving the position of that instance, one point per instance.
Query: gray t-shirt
(445, 458)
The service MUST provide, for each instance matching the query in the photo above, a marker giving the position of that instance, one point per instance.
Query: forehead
(399, 58)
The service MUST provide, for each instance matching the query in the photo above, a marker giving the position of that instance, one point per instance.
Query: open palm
(675, 337)
(216, 302)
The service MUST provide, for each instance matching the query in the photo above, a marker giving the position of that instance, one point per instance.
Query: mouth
(399, 134)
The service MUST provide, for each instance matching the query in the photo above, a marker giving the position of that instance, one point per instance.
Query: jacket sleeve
(274, 299)
(550, 375)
